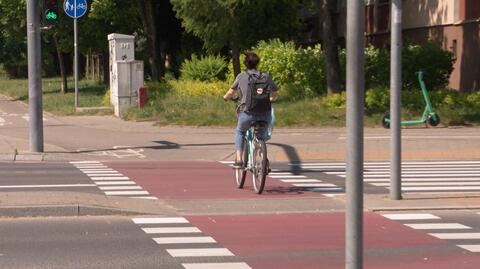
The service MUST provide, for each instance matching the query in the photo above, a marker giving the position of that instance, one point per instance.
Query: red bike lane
(297, 240)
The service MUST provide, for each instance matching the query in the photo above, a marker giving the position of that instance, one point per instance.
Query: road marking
(105, 170)
(413, 216)
(452, 188)
(99, 175)
(46, 186)
(454, 168)
(456, 235)
(314, 185)
(326, 189)
(224, 265)
(427, 226)
(287, 176)
(200, 252)
(471, 248)
(171, 230)
(427, 176)
(425, 179)
(299, 180)
(112, 188)
(460, 183)
(126, 192)
(84, 162)
(102, 183)
(159, 220)
(110, 178)
(387, 163)
(184, 240)
(100, 172)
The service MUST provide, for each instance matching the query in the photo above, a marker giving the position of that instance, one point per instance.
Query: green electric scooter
(429, 116)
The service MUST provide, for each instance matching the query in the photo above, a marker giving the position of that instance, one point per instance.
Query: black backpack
(258, 94)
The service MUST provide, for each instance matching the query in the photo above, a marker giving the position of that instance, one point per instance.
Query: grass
(90, 94)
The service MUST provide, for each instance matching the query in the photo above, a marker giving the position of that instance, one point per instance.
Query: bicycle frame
(252, 139)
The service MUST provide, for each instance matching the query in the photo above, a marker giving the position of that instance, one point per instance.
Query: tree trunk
(61, 63)
(236, 60)
(147, 10)
(329, 35)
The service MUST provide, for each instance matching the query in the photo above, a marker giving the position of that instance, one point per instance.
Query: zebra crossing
(111, 182)
(301, 181)
(435, 226)
(180, 239)
(424, 176)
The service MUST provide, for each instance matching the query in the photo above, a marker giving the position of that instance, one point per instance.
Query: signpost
(75, 9)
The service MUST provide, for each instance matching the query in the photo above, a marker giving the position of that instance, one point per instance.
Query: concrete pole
(34, 77)
(395, 102)
(355, 107)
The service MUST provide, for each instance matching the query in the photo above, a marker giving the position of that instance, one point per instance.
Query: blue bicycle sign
(75, 8)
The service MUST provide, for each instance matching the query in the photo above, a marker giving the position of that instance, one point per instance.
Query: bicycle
(254, 154)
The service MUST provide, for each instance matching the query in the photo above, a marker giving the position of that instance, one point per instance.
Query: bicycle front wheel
(241, 173)
(259, 169)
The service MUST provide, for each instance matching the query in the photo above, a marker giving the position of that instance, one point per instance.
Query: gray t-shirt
(241, 84)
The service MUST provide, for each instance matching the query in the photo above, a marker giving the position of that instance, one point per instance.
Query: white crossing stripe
(100, 174)
(224, 265)
(110, 178)
(425, 179)
(471, 248)
(433, 226)
(126, 192)
(451, 188)
(104, 170)
(112, 188)
(46, 186)
(171, 230)
(83, 162)
(280, 173)
(299, 180)
(413, 216)
(92, 166)
(103, 183)
(460, 183)
(159, 220)
(314, 185)
(326, 189)
(199, 252)
(184, 240)
(456, 235)
(421, 175)
(432, 169)
(388, 163)
(287, 176)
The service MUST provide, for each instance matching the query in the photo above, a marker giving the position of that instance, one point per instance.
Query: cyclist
(245, 118)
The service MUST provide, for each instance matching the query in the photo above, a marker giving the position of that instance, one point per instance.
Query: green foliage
(197, 89)
(377, 100)
(298, 72)
(237, 22)
(336, 101)
(207, 68)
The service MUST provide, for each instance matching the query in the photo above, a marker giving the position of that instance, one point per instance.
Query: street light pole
(34, 77)
(395, 102)
(355, 107)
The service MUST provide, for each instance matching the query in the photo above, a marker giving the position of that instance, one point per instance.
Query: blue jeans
(244, 122)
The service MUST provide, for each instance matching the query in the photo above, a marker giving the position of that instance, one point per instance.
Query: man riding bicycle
(257, 90)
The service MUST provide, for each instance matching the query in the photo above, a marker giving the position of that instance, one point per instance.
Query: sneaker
(237, 164)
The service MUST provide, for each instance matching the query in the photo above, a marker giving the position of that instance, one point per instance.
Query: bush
(209, 68)
(198, 89)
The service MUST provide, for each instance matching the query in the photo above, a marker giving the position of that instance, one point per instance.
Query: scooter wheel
(433, 120)
(386, 121)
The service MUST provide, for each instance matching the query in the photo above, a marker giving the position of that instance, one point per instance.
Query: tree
(163, 32)
(237, 24)
(329, 21)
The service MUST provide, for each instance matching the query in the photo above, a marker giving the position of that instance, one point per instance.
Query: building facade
(453, 23)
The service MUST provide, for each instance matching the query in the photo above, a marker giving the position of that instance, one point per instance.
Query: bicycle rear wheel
(259, 169)
(241, 173)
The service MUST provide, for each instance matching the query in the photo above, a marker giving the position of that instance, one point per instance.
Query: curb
(67, 210)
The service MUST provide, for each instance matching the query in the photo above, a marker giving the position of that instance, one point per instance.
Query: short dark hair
(251, 60)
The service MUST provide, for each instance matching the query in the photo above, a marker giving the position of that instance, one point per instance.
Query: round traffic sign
(75, 8)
